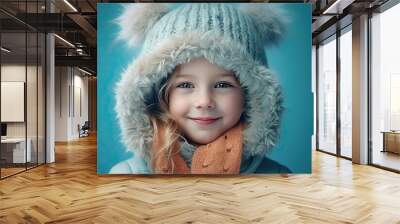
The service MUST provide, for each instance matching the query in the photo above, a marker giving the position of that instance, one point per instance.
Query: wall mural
(204, 88)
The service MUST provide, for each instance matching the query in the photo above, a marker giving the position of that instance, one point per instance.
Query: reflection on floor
(10, 169)
(346, 152)
(386, 159)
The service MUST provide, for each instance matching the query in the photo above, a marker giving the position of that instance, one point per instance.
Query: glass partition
(22, 77)
(13, 105)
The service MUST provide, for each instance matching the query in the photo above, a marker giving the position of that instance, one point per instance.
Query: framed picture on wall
(204, 88)
(12, 101)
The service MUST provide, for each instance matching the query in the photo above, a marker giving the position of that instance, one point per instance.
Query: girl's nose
(204, 100)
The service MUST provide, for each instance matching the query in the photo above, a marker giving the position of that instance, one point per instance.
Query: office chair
(84, 130)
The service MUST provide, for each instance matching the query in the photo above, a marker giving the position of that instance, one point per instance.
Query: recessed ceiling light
(337, 7)
(70, 5)
(64, 40)
(5, 50)
(84, 71)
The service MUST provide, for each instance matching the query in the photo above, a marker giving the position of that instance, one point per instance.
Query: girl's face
(205, 100)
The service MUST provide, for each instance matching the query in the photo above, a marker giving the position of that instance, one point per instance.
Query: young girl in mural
(199, 98)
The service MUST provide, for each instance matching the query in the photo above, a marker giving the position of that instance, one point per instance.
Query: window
(346, 92)
(385, 88)
(327, 95)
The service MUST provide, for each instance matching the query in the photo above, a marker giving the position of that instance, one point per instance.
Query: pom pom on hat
(138, 19)
(270, 22)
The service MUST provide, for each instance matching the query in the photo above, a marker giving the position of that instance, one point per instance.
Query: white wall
(71, 87)
(61, 103)
(79, 103)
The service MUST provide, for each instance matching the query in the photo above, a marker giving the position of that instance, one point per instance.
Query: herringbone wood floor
(70, 191)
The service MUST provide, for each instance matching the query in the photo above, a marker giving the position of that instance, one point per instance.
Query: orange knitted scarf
(222, 156)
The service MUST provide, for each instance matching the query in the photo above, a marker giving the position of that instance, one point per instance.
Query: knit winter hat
(228, 36)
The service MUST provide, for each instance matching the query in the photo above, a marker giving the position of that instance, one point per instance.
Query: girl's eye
(185, 85)
(223, 85)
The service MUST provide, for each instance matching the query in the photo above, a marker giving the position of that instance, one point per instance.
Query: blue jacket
(136, 165)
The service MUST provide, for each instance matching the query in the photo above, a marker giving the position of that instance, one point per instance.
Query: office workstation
(15, 147)
(22, 139)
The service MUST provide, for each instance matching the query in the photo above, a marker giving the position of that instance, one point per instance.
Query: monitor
(3, 129)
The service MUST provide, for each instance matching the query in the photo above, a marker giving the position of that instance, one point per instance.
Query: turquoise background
(291, 61)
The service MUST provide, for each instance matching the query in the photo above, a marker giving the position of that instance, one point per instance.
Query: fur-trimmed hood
(166, 46)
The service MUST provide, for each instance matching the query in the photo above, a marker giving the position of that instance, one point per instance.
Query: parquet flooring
(70, 191)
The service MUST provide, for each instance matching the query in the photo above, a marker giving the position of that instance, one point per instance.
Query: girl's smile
(204, 120)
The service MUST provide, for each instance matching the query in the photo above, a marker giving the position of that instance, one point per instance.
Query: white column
(50, 93)
(50, 100)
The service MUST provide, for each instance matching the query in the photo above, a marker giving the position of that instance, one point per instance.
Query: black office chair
(84, 130)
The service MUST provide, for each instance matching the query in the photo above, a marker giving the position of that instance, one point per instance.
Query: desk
(391, 141)
(16, 147)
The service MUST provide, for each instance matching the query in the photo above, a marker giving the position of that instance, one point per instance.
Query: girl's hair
(163, 118)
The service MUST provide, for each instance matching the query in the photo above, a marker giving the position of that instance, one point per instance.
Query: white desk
(18, 149)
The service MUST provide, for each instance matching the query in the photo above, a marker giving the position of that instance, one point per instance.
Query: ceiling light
(84, 71)
(338, 6)
(65, 41)
(70, 5)
(5, 50)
